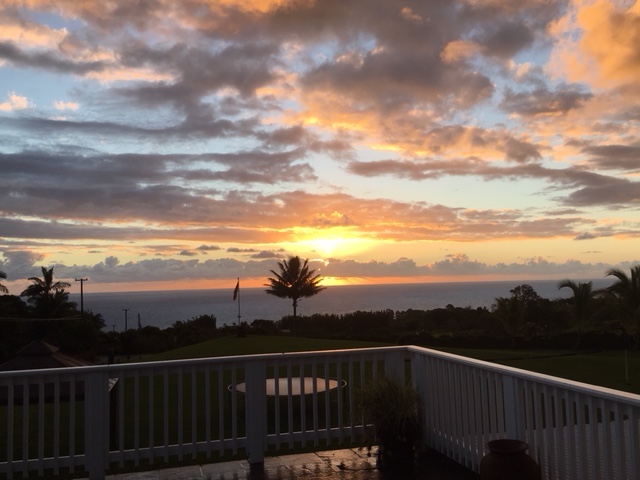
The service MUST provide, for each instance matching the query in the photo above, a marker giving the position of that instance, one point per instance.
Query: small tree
(294, 281)
(3, 289)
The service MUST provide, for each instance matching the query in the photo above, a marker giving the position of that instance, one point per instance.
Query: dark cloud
(623, 157)
(615, 192)
(241, 250)
(266, 254)
(505, 39)
(52, 61)
(208, 248)
(542, 101)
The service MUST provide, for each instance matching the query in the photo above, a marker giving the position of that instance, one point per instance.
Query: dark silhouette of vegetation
(49, 299)
(626, 291)
(294, 281)
(3, 289)
(588, 320)
(581, 302)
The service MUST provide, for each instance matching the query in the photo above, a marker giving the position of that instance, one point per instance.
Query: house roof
(38, 355)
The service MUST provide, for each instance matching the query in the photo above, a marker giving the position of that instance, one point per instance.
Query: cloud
(598, 42)
(208, 248)
(334, 220)
(542, 101)
(60, 105)
(624, 157)
(14, 102)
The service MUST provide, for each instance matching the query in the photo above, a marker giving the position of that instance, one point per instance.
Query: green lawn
(606, 368)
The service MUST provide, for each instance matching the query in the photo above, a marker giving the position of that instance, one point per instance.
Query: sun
(338, 242)
(327, 246)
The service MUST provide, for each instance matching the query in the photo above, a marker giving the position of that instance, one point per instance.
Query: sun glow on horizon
(338, 241)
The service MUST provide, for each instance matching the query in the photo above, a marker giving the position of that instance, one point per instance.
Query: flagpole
(238, 298)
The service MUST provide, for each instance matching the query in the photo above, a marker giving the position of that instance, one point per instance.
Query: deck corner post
(96, 423)
(394, 365)
(256, 411)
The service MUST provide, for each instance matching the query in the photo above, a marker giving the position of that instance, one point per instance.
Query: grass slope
(606, 368)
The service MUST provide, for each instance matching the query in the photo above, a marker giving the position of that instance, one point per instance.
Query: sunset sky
(183, 144)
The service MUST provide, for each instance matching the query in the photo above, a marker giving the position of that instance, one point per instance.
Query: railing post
(96, 418)
(256, 411)
(511, 407)
(394, 365)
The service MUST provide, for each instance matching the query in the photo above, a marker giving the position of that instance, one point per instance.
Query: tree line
(607, 318)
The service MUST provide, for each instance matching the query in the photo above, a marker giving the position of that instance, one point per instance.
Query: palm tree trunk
(295, 310)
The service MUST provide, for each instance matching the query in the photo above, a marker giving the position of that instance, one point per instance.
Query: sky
(166, 145)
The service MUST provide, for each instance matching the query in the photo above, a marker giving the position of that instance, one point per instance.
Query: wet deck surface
(347, 464)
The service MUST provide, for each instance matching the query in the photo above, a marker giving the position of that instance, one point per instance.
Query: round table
(321, 385)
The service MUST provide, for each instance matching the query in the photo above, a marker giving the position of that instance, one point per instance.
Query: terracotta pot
(507, 460)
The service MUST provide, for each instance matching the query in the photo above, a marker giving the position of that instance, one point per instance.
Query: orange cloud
(612, 38)
(597, 42)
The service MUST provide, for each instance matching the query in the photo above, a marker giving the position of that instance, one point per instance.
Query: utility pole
(125, 310)
(81, 280)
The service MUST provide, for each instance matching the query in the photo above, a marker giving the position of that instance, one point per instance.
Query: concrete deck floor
(346, 464)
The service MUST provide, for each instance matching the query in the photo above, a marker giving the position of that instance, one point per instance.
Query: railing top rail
(602, 392)
(264, 357)
(586, 388)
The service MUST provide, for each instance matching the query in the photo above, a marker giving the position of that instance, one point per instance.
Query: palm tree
(511, 311)
(3, 289)
(294, 281)
(582, 296)
(48, 297)
(627, 291)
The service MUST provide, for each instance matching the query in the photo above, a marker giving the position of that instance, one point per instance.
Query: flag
(236, 290)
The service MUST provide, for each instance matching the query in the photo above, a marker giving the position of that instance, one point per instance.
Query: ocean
(163, 308)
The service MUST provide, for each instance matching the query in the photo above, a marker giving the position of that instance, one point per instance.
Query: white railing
(117, 417)
(574, 430)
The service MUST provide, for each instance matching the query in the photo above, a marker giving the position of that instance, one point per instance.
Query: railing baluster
(56, 425)
(121, 412)
(207, 408)
(72, 423)
(582, 445)
(290, 403)
(327, 401)
(41, 437)
(165, 412)
(605, 444)
(352, 409)
(10, 420)
(26, 391)
(340, 402)
(194, 413)
(221, 402)
(303, 410)
(151, 415)
(136, 416)
(234, 409)
(314, 401)
(276, 404)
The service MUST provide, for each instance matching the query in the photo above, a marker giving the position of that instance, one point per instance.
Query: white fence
(111, 418)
